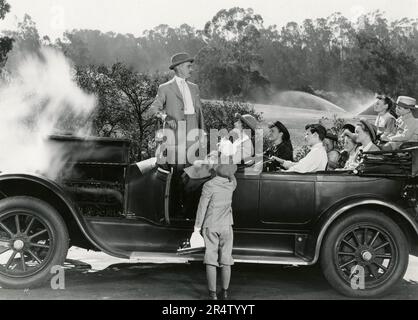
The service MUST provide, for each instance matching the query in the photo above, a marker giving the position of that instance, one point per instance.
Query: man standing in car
(178, 104)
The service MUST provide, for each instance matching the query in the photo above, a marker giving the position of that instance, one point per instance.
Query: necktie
(187, 98)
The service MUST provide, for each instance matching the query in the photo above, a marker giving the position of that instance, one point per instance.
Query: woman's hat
(370, 128)
(282, 128)
(180, 58)
(249, 120)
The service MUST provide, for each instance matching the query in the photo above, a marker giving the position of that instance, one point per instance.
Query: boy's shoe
(224, 295)
(212, 295)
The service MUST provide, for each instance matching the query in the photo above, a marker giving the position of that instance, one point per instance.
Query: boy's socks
(225, 276)
(211, 277)
(212, 295)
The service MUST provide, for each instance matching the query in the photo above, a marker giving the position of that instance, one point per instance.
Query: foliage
(6, 43)
(230, 64)
(26, 36)
(237, 56)
(237, 59)
(300, 152)
(4, 8)
(335, 125)
(221, 114)
(124, 97)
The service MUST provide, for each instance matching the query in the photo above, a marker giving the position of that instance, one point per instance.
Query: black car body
(100, 201)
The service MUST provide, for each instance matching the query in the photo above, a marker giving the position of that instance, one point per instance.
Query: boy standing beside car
(214, 219)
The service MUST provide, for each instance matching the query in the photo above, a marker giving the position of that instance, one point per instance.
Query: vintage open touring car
(341, 220)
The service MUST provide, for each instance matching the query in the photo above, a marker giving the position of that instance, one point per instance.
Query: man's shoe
(212, 295)
(224, 295)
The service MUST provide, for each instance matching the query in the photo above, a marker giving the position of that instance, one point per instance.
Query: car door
(245, 200)
(287, 199)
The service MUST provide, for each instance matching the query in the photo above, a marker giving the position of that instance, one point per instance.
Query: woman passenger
(281, 146)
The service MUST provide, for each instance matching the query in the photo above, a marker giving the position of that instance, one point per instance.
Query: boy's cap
(226, 170)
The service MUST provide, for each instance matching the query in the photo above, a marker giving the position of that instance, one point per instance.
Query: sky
(53, 17)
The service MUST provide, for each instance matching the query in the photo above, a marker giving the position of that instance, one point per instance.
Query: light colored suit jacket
(170, 101)
(215, 205)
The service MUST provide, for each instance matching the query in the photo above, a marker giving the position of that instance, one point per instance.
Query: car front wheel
(33, 239)
(364, 254)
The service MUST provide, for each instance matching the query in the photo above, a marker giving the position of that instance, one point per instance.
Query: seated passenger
(406, 124)
(385, 121)
(281, 147)
(316, 159)
(350, 149)
(366, 135)
(242, 147)
(240, 150)
(333, 154)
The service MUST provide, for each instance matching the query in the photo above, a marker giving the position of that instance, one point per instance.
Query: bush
(124, 97)
(221, 114)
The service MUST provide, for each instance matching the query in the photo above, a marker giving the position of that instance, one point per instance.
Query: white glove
(196, 240)
(226, 147)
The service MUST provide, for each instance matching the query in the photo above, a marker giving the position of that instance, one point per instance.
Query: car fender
(332, 214)
(56, 190)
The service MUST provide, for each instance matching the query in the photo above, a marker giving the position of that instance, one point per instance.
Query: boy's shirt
(214, 210)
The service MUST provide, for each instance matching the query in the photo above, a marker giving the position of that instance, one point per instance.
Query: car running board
(155, 257)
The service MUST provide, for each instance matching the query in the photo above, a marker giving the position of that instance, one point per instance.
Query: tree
(26, 37)
(6, 43)
(75, 48)
(232, 53)
(148, 53)
(4, 9)
(124, 97)
(26, 40)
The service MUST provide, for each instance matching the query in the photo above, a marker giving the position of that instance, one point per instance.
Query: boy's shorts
(218, 244)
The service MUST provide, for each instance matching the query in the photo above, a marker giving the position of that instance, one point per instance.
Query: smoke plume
(39, 98)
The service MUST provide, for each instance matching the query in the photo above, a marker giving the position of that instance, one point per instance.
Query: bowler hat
(180, 58)
(370, 128)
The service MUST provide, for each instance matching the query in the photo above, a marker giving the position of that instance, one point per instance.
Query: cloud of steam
(39, 98)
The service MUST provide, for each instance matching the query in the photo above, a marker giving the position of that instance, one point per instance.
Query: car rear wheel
(364, 254)
(33, 239)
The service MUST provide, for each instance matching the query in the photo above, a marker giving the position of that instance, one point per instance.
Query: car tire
(369, 240)
(39, 234)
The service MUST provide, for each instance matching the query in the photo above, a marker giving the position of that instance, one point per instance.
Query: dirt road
(90, 275)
